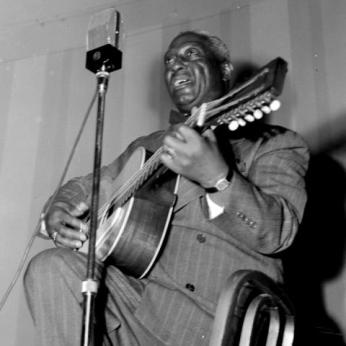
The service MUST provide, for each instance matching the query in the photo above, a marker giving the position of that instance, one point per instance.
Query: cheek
(203, 72)
(210, 78)
(167, 85)
(204, 80)
(166, 77)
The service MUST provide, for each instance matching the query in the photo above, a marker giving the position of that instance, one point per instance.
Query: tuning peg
(241, 122)
(233, 125)
(275, 105)
(258, 114)
(266, 109)
(249, 118)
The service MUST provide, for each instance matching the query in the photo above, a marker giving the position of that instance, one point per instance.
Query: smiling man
(195, 73)
(239, 203)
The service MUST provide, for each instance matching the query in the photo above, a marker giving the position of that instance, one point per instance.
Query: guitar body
(130, 235)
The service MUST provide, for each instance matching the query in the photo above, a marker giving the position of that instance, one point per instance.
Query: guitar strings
(126, 190)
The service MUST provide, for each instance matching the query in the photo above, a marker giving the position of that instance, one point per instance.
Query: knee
(43, 265)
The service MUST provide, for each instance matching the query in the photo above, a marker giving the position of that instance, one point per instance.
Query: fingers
(79, 209)
(181, 138)
(182, 144)
(174, 139)
(64, 226)
(67, 237)
(174, 145)
(187, 133)
(168, 160)
(182, 148)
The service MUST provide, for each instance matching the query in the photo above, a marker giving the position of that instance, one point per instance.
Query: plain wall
(45, 91)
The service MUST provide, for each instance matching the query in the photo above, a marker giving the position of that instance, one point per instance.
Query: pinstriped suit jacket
(266, 202)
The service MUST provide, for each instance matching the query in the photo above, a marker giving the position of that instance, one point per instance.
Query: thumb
(79, 209)
(210, 136)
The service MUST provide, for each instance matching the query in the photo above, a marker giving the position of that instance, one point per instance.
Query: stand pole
(90, 285)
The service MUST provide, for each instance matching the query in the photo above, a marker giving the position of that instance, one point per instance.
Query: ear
(226, 69)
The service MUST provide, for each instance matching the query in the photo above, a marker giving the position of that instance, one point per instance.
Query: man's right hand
(64, 225)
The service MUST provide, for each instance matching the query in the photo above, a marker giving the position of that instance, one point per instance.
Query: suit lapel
(187, 192)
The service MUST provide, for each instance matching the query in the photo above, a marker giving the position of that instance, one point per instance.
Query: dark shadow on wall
(317, 254)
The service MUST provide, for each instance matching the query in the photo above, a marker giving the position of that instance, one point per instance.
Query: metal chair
(253, 310)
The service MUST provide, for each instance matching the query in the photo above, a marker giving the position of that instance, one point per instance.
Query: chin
(185, 103)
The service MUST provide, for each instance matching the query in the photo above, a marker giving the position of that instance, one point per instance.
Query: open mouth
(179, 83)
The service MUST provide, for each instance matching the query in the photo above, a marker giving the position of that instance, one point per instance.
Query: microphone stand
(90, 285)
(101, 61)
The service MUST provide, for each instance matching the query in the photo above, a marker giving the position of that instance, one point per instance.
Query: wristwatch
(221, 184)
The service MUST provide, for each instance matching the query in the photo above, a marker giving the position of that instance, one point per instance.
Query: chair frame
(249, 300)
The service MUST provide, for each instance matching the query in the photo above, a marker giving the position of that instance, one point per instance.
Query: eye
(192, 53)
(169, 60)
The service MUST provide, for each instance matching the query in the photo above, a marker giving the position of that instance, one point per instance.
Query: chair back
(253, 310)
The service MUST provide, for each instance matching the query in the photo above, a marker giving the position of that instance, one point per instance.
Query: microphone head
(103, 53)
(103, 28)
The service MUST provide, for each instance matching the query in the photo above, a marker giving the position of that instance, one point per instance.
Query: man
(240, 200)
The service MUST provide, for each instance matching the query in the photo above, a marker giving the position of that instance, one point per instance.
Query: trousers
(52, 284)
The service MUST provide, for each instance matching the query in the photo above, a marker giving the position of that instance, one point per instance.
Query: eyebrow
(188, 43)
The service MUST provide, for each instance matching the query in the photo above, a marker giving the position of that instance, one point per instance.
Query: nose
(176, 64)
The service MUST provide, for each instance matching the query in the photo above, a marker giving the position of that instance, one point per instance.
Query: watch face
(222, 184)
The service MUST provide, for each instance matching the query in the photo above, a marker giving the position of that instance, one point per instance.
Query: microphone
(103, 53)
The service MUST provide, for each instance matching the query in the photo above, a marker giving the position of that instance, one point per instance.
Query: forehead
(187, 40)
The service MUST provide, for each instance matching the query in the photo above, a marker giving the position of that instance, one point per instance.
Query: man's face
(192, 73)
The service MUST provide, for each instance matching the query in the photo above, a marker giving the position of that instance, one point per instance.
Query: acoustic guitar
(133, 224)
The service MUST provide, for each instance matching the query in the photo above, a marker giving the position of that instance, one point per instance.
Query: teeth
(180, 82)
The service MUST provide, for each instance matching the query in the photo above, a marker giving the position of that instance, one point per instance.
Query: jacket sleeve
(79, 189)
(264, 209)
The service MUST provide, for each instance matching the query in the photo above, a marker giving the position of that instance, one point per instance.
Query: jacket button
(201, 238)
(190, 287)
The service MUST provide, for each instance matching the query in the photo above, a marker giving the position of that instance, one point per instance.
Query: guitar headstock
(245, 103)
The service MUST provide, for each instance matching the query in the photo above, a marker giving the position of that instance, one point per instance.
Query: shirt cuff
(42, 230)
(214, 209)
